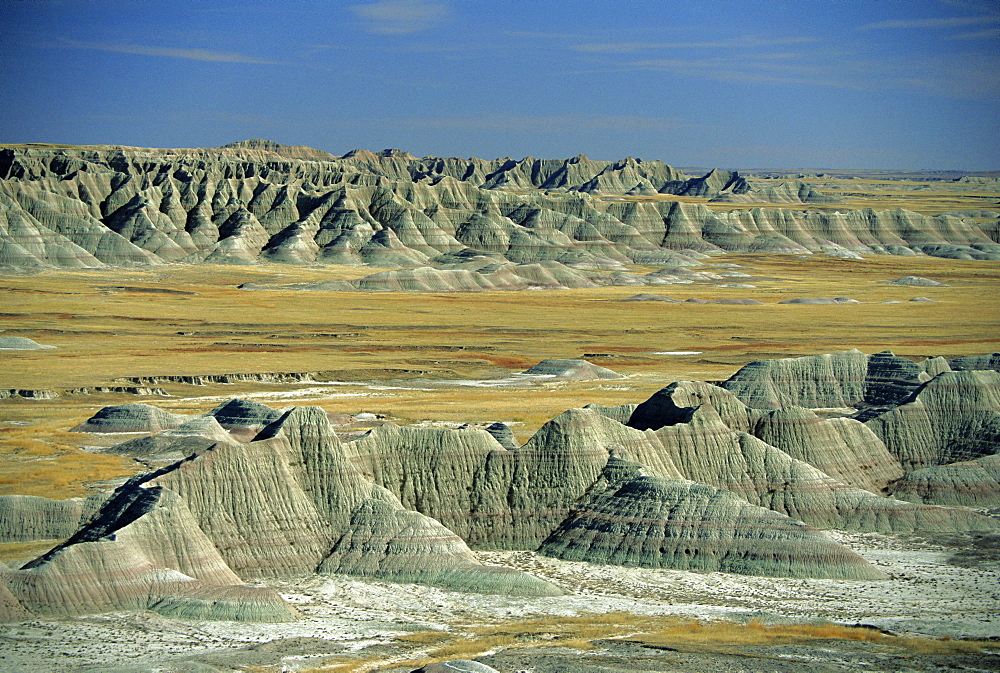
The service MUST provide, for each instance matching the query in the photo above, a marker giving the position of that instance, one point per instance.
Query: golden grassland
(189, 319)
(15, 554)
(677, 633)
(109, 324)
(44, 460)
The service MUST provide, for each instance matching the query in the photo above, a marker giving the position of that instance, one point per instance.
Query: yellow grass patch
(680, 633)
(43, 460)
(16, 554)
(715, 636)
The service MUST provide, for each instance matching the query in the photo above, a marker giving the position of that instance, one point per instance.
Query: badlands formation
(771, 480)
(740, 478)
(458, 224)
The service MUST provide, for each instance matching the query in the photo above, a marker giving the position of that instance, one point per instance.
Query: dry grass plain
(401, 355)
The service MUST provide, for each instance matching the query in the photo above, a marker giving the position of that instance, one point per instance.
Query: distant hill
(257, 200)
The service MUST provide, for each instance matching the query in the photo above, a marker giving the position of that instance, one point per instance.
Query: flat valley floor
(447, 359)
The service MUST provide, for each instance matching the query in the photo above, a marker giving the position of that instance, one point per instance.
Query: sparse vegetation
(711, 636)
(41, 459)
(678, 633)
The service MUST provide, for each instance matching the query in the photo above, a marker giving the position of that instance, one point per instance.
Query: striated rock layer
(953, 417)
(260, 201)
(27, 517)
(965, 483)
(181, 540)
(693, 478)
(572, 370)
(940, 427)
(514, 498)
(843, 448)
(847, 379)
(130, 418)
(638, 520)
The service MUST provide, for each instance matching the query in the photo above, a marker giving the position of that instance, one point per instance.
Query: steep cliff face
(705, 450)
(786, 192)
(953, 417)
(831, 380)
(313, 510)
(979, 362)
(262, 201)
(28, 517)
(676, 404)
(491, 496)
(974, 483)
(513, 498)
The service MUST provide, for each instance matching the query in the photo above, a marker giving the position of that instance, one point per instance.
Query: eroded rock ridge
(260, 201)
(731, 478)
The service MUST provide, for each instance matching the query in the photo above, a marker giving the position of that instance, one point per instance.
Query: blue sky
(822, 84)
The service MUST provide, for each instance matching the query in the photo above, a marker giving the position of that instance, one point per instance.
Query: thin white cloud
(542, 35)
(170, 52)
(969, 76)
(736, 43)
(751, 70)
(972, 6)
(987, 34)
(398, 17)
(950, 22)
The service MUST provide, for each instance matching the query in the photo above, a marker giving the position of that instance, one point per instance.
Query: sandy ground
(924, 595)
